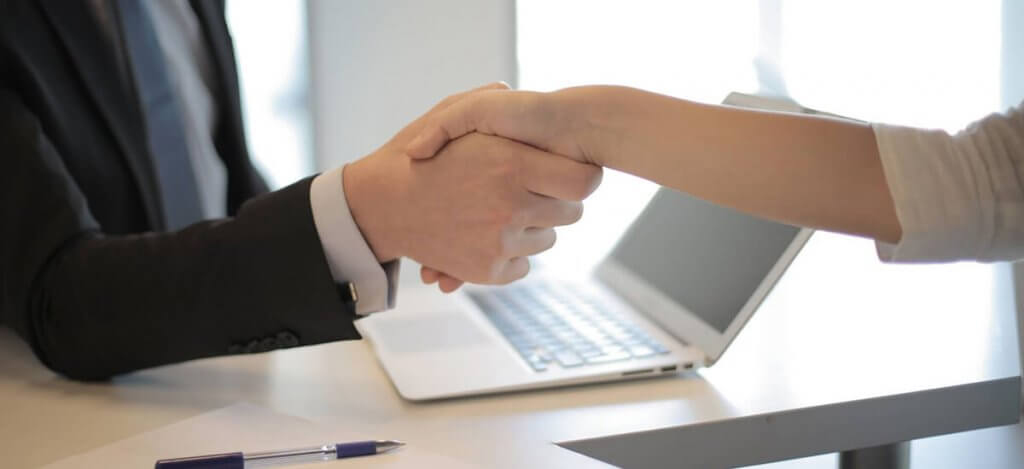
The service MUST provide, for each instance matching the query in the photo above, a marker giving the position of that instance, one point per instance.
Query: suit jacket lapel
(97, 66)
(211, 18)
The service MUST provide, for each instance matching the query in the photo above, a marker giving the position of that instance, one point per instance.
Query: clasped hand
(475, 212)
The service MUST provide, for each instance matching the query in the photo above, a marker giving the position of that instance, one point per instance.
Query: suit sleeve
(92, 306)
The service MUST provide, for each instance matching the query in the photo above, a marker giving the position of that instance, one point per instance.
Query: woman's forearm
(805, 170)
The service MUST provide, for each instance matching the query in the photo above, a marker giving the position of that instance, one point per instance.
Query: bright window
(921, 63)
(270, 46)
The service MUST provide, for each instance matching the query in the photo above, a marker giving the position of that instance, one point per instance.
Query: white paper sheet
(245, 427)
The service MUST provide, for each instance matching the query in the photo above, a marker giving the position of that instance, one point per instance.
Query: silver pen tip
(388, 445)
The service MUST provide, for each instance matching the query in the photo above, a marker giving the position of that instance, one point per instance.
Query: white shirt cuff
(348, 254)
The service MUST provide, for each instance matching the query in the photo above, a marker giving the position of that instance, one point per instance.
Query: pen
(241, 460)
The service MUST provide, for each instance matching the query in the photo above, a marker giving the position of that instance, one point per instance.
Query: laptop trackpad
(418, 333)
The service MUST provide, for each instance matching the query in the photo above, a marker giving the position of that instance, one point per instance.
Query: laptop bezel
(677, 319)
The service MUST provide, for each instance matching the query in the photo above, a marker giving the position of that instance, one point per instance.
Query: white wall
(377, 65)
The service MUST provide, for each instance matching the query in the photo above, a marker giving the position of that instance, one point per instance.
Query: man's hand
(475, 212)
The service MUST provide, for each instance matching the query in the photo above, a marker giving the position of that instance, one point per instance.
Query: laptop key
(641, 351)
(612, 349)
(568, 358)
(539, 360)
(609, 358)
(658, 348)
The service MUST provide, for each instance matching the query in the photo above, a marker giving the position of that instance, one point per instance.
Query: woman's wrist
(601, 115)
(581, 120)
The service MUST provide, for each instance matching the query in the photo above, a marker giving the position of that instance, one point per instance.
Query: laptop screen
(708, 259)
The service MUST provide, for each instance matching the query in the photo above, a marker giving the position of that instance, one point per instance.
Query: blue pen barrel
(213, 461)
(359, 448)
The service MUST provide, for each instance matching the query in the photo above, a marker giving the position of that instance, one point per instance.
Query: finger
(515, 269)
(445, 282)
(533, 241)
(449, 284)
(428, 275)
(557, 176)
(548, 212)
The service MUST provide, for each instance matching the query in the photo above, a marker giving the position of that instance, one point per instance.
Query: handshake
(468, 203)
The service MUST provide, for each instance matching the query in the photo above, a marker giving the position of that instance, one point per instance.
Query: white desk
(845, 354)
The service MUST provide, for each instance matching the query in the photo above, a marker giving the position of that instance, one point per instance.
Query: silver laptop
(671, 296)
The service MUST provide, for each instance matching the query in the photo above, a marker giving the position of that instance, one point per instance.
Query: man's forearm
(108, 305)
(805, 170)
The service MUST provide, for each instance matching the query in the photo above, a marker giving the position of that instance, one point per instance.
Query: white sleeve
(957, 197)
(348, 254)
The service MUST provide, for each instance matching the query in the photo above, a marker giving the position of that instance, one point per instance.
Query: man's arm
(93, 306)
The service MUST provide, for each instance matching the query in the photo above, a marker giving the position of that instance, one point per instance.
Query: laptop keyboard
(550, 324)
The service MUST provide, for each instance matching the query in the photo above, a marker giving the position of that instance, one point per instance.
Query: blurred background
(327, 81)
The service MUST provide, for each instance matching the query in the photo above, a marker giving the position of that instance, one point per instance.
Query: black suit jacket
(87, 275)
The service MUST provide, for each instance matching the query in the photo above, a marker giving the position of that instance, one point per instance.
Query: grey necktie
(162, 114)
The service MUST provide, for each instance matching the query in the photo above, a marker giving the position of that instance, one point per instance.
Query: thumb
(526, 116)
(449, 124)
(432, 121)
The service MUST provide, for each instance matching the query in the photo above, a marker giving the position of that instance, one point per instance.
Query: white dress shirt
(957, 197)
(348, 255)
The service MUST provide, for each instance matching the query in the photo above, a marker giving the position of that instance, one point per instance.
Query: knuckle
(518, 217)
(514, 213)
(481, 273)
(500, 248)
(586, 182)
(579, 189)
(494, 274)
(503, 217)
